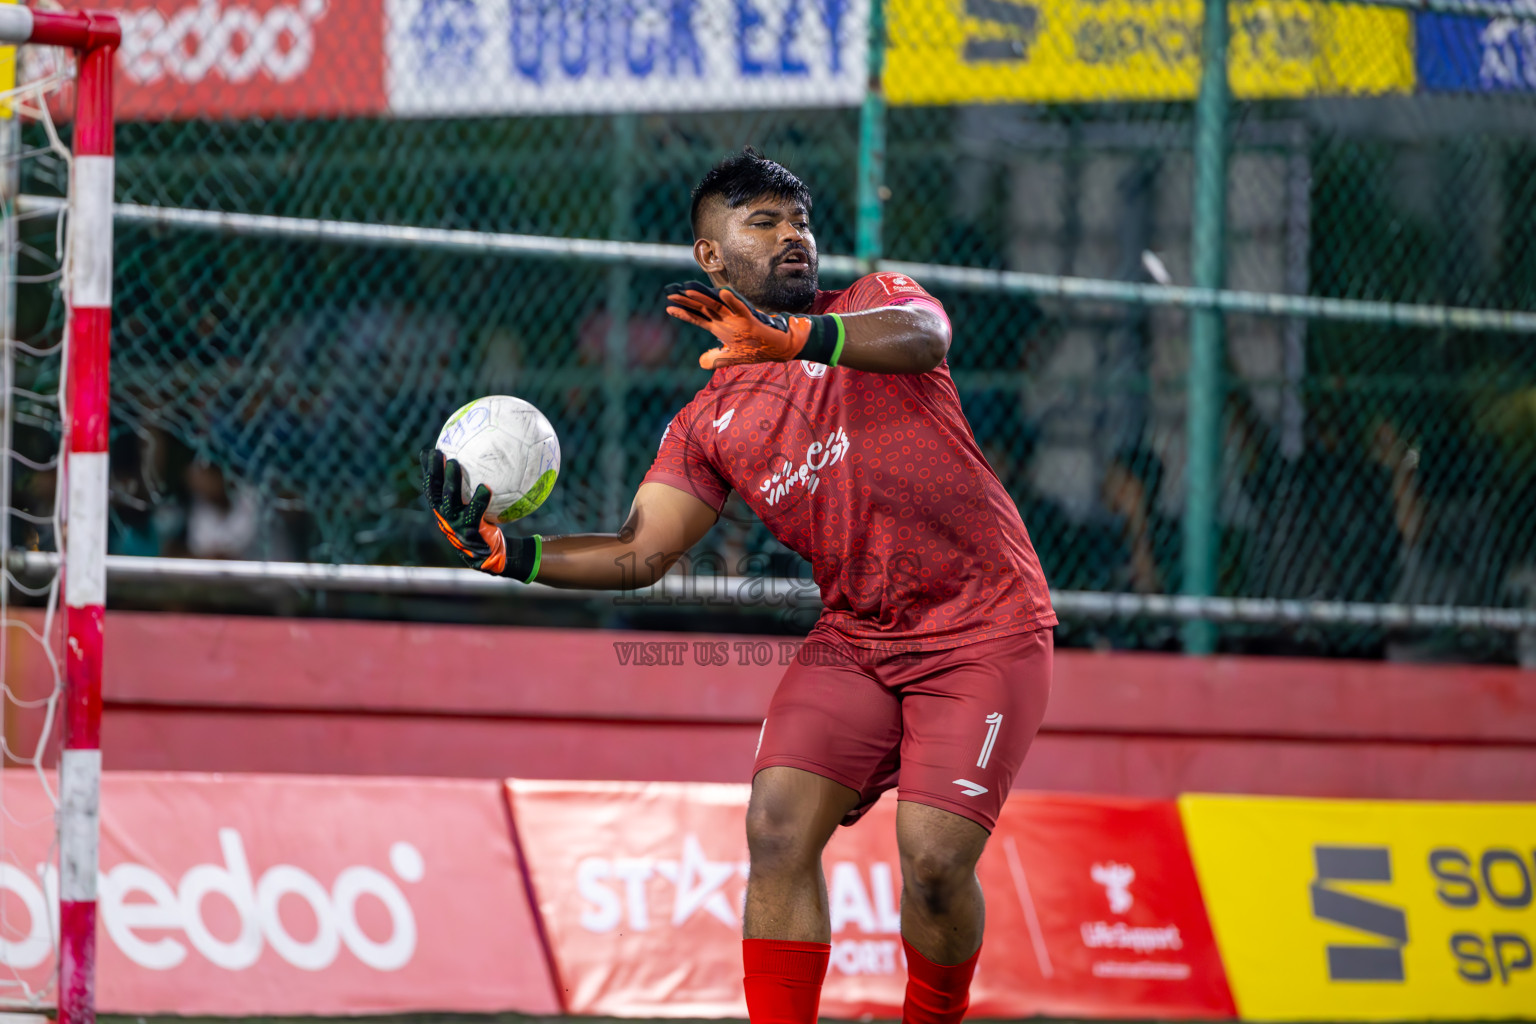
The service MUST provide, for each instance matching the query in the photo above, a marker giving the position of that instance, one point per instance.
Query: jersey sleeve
(681, 463)
(873, 291)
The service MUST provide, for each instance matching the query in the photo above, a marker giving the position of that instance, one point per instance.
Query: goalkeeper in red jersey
(833, 415)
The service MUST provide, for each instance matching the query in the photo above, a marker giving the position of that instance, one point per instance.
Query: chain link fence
(271, 390)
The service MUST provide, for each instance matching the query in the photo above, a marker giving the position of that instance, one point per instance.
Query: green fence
(1352, 151)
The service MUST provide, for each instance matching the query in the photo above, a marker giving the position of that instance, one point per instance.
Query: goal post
(87, 284)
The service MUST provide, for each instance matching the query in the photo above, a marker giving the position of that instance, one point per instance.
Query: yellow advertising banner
(8, 55)
(1363, 910)
(1065, 51)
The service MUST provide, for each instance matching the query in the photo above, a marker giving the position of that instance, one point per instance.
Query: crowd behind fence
(273, 380)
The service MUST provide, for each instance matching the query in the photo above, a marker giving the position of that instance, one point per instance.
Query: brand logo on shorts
(969, 788)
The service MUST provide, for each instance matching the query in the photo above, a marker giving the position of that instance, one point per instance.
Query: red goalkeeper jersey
(876, 480)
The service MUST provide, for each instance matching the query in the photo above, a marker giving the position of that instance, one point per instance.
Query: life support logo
(234, 42)
(1116, 880)
(1125, 937)
(134, 899)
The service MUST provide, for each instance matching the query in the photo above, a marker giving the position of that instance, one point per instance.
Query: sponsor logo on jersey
(819, 455)
(895, 284)
(813, 370)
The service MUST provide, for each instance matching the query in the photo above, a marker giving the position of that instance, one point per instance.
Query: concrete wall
(212, 693)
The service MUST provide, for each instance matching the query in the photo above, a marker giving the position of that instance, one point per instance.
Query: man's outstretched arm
(911, 338)
(663, 523)
(895, 339)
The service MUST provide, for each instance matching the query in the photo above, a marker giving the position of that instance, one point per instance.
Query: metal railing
(742, 591)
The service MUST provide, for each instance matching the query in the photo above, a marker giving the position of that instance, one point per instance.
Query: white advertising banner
(459, 57)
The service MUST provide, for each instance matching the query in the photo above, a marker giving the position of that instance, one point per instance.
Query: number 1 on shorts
(994, 723)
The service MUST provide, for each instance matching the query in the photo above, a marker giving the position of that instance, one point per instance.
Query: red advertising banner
(248, 58)
(270, 896)
(1093, 907)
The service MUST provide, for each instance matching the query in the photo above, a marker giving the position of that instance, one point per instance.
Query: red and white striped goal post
(88, 276)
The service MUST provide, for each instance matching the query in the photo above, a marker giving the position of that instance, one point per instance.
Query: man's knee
(933, 876)
(790, 819)
(779, 842)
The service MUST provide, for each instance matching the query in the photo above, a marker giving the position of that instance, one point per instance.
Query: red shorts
(949, 728)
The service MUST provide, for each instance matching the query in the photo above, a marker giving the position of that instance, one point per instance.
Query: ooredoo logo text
(157, 925)
(231, 41)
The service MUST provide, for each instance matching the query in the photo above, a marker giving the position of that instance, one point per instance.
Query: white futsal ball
(508, 445)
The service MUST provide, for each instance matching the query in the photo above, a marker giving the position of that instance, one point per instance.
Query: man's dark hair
(744, 177)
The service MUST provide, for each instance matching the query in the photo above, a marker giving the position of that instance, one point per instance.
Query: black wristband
(523, 558)
(825, 345)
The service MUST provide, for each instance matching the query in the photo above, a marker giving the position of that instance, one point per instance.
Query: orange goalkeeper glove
(747, 334)
(479, 542)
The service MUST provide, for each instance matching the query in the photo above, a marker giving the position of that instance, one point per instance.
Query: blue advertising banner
(1460, 54)
(564, 56)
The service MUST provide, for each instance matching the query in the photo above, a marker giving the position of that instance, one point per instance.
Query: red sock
(783, 979)
(936, 994)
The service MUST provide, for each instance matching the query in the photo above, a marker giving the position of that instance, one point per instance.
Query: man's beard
(770, 290)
